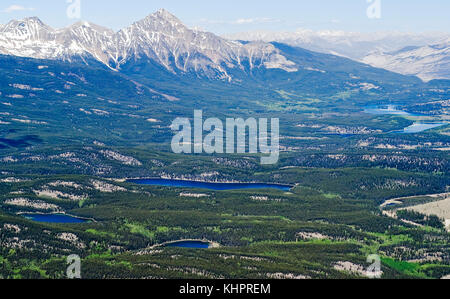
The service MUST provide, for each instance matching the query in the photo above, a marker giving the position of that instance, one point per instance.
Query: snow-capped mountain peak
(28, 37)
(165, 15)
(29, 28)
(89, 25)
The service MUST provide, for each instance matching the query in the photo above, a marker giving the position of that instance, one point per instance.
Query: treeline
(419, 218)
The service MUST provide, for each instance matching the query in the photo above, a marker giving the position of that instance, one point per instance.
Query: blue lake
(54, 218)
(210, 186)
(393, 110)
(190, 244)
(387, 110)
(420, 127)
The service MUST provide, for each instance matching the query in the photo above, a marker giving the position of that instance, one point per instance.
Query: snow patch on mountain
(428, 62)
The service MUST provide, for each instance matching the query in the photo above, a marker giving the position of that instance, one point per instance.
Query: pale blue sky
(230, 16)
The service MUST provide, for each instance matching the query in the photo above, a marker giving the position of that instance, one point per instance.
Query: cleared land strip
(440, 208)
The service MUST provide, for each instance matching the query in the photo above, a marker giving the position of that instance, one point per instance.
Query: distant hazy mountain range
(427, 62)
(424, 55)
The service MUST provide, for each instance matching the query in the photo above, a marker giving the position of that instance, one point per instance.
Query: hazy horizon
(229, 18)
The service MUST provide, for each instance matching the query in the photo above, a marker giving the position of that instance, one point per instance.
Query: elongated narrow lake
(54, 218)
(417, 127)
(190, 244)
(420, 127)
(210, 186)
(387, 110)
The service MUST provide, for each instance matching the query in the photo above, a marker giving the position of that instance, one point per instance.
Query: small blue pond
(211, 186)
(54, 218)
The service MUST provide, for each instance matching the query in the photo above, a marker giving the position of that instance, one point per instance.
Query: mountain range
(160, 37)
(163, 40)
(427, 62)
(424, 55)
